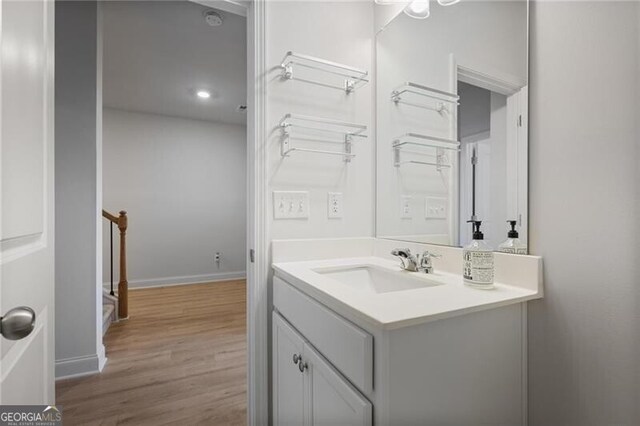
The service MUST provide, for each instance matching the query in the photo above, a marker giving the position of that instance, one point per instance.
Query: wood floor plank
(180, 359)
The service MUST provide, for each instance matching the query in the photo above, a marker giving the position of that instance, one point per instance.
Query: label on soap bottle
(513, 250)
(478, 266)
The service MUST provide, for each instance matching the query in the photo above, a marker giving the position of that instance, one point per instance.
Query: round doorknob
(296, 358)
(18, 323)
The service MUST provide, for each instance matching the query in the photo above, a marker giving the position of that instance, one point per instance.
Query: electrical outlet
(405, 206)
(290, 204)
(435, 208)
(334, 205)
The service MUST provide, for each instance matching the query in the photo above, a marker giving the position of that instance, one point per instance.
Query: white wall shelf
(424, 141)
(319, 130)
(353, 78)
(412, 93)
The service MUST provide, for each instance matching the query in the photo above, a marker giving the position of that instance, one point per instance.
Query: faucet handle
(401, 252)
(424, 263)
(429, 254)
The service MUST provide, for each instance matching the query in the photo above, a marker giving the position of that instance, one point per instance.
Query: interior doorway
(483, 167)
(174, 156)
(493, 155)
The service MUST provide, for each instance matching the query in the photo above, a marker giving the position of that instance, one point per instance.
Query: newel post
(123, 284)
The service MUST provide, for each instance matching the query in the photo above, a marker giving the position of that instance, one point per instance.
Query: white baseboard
(79, 366)
(102, 358)
(184, 280)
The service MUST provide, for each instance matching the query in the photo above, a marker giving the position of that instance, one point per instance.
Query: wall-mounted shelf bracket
(440, 145)
(405, 93)
(319, 130)
(352, 78)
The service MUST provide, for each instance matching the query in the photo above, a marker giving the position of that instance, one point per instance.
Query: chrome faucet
(409, 262)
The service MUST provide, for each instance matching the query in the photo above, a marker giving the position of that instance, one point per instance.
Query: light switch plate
(405, 206)
(290, 205)
(435, 208)
(335, 205)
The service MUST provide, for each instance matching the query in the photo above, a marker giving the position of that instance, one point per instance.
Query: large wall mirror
(452, 123)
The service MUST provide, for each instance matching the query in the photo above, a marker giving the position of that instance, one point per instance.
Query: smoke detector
(213, 18)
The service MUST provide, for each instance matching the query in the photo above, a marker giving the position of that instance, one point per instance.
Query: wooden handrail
(123, 285)
(110, 217)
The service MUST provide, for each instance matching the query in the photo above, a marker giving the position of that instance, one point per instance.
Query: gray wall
(474, 111)
(76, 150)
(183, 185)
(584, 351)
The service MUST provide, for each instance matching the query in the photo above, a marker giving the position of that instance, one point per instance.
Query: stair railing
(122, 223)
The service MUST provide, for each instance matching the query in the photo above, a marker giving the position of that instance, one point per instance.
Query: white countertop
(398, 309)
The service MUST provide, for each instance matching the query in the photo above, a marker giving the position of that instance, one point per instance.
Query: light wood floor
(180, 359)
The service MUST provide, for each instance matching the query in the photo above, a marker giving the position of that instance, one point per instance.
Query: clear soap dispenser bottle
(478, 260)
(513, 244)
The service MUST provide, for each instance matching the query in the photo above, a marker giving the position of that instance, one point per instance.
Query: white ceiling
(158, 53)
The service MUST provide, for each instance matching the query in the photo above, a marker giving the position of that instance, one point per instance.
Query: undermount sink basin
(371, 279)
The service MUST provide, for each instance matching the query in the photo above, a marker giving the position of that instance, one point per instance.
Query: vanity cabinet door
(330, 399)
(288, 380)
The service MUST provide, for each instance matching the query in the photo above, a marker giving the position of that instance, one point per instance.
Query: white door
(331, 399)
(26, 201)
(288, 380)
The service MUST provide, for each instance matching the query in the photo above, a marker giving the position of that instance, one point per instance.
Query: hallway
(179, 359)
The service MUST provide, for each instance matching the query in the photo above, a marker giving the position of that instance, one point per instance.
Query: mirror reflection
(452, 125)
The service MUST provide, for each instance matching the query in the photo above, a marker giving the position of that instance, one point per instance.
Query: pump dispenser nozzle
(477, 234)
(513, 233)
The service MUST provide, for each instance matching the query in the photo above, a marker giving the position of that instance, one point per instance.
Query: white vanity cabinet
(461, 370)
(307, 389)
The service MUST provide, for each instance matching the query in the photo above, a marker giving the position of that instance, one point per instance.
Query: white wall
(183, 185)
(78, 324)
(484, 36)
(496, 220)
(340, 32)
(584, 336)
(385, 13)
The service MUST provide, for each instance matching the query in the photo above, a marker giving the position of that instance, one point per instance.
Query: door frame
(257, 243)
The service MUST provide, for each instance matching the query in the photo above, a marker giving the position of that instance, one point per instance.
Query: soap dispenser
(513, 244)
(478, 260)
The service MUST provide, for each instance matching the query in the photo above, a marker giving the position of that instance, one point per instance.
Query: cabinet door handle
(302, 366)
(296, 358)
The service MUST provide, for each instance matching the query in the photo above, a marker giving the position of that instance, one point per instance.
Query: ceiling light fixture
(418, 9)
(203, 94)
(447, 2)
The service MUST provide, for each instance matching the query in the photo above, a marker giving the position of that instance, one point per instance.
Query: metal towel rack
(400, 94)
(318, 129)
(354, 78)
(415, 139)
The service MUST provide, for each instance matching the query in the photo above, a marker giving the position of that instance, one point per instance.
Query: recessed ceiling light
(203, 94)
